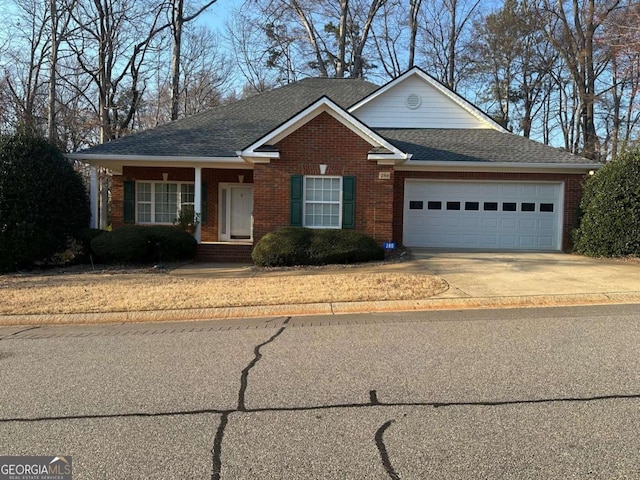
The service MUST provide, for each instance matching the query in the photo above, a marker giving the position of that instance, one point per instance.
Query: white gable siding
(389, 109)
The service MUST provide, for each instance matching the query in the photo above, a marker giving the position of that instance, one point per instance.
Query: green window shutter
(296, 201)
(348, 202)
(129, 202)
(203, 204)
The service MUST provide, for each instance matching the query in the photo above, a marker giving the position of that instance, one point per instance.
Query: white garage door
(490, 216)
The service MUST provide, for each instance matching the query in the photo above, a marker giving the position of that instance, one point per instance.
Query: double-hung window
(322, 202)
(162, 202)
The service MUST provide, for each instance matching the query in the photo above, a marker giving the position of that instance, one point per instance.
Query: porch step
(224, 252)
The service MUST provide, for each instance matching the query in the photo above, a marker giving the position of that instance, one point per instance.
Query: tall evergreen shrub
(43, 201)
(610, 210)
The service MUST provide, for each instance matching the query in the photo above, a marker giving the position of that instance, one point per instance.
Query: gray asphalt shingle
(478, 145)
(222, 131)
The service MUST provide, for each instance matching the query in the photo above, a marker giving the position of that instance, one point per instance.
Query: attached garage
(483, 215)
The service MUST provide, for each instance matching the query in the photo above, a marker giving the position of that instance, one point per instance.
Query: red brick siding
(379, 203)
(572, 193)
(117, 201)
(323, 140)
(224, 252)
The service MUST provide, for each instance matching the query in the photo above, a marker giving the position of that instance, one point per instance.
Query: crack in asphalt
(19, 332)
(384, 454)
(245, 371)
(314, 408)
(374, 401)
(216, 451)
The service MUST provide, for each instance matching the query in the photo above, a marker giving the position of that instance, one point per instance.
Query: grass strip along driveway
(146, 290)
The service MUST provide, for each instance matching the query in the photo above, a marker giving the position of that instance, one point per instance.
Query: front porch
(221, 198)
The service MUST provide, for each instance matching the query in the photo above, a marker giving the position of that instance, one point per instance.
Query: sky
(216, 16)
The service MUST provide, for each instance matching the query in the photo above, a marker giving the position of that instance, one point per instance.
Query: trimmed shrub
(283, 247)
(144, 244)
(343, 246)
(85, 237)
(610, 210)
(43, 201)
(304, 246)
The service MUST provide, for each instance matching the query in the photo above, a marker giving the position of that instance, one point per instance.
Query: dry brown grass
(127, 292)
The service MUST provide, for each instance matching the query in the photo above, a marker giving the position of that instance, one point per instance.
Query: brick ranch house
(410, 162)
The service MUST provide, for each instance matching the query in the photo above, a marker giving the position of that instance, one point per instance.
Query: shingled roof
(223, 130)
(227, 129)
(474, 145)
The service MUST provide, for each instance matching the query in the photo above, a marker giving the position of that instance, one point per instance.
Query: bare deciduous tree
(334, 33)
(178, 20)
(514, 58)
(446, 38)
(25, 71)
(571, 27)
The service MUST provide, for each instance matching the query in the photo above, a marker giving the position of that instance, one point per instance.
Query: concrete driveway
(484, 274)
(482, 279)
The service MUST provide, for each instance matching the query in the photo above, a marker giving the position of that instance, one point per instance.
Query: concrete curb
(224, 313)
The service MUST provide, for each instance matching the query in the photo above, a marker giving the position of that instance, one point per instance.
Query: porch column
(93, 196)
(197, 201)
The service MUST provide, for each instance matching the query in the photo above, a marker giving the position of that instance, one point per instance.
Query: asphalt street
(538, 393)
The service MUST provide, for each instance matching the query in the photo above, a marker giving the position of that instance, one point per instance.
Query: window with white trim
(162, 202)
(322, 202)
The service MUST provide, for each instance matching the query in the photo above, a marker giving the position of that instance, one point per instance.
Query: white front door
(236, 210)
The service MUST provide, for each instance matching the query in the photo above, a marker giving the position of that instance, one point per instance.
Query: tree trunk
(451, 64)
(177, 22)
(591, 142)
(103, 76)
(342, 38)
(311, 34)
(414, 8)
(53, 65)
(357, 70)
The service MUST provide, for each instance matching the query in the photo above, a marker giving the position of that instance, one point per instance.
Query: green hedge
(43, 201)
(144, 244)
(290, 246)
(610, 210)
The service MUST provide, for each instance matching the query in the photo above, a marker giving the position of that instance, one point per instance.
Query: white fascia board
(473, 110)
(258, 157)
(421, 166)
(386, 159)
(116, 162)
(323, 105)
(94, 157)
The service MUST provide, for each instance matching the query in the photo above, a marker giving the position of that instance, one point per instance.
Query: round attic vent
(413, 101)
